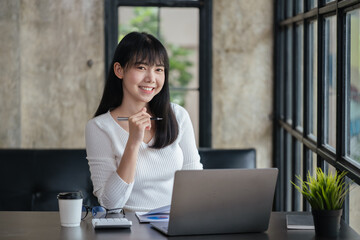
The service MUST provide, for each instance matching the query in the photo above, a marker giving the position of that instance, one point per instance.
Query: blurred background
(54, 60)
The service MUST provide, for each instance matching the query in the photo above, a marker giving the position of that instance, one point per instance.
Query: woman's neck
(127, 109)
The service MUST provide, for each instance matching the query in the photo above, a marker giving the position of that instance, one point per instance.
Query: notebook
(156, 215)
(297, 221)
(216, 201)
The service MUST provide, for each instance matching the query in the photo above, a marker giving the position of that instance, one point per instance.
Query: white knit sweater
(155, 169)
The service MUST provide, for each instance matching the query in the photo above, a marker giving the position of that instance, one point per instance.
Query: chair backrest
(30, 179)
(227, 158)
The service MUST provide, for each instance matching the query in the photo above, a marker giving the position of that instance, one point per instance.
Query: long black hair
(142, 47)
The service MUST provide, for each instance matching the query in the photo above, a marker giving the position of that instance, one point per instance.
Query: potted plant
(326, 194)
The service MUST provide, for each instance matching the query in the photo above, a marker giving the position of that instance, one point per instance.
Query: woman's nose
(150, 76)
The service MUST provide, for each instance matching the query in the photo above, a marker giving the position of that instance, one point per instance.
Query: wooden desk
(46, 225)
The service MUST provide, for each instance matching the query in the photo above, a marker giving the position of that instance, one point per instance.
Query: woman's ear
(118, 70)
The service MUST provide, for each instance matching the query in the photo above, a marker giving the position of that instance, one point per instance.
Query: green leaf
(323, 191)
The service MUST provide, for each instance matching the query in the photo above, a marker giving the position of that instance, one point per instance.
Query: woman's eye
(141, 67)
(160, 69)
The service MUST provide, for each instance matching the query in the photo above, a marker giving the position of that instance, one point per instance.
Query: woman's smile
(148, 90)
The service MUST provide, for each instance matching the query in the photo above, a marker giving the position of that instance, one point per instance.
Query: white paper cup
(70, 207)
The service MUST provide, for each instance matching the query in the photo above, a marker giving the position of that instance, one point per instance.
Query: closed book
(296, 221)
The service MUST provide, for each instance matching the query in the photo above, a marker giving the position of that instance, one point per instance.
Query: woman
(132, 163)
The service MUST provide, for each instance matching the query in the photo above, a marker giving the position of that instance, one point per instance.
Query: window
(329, 70)
(299, 84)
(181, 26)
(311, 62)
(289, 76)
(317, 99)
(312, 4)
(178, 30)
(352, 78)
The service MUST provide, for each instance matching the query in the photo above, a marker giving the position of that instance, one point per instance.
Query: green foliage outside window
(146, 20)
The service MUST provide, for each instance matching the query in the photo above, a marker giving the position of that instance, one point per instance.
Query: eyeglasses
(99, 211)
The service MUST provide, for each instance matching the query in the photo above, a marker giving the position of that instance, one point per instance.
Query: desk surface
(46, 225)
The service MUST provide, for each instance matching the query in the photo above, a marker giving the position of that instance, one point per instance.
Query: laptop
(217, 201)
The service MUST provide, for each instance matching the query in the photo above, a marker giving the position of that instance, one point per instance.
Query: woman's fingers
(140, 115)
(138, 123)
(141, 119)
(143, 122)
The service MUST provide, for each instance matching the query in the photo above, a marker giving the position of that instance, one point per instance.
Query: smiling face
(141, 81)
(141, 66)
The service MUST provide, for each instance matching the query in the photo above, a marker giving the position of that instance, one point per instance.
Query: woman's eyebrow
(147, 64)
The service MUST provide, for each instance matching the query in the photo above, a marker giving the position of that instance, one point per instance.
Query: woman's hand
(138, 123)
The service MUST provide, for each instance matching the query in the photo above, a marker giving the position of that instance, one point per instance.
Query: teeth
(147, 88)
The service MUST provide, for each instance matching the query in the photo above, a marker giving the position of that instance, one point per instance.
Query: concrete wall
(242, 76)
(48, 91)
(10, 131)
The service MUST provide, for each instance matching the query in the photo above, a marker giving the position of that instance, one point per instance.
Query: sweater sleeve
(187, 141)
(111, 191)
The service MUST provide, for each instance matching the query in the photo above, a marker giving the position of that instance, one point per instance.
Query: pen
(126, 118)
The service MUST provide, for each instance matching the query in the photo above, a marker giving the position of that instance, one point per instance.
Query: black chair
(227, 158)
(30, 179)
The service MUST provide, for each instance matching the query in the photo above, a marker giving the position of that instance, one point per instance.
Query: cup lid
(70, 195)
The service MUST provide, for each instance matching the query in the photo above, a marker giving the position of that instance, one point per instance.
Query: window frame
(205, 50)
(282, 125)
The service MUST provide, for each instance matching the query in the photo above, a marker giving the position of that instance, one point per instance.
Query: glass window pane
(309, 168)
(330, 80)
(328, 168)
(281, 9)
(352, 75)
(327, 1)
(312, 77)
(312, 4)
(299, 7)
(298, 165)
(180, 32)
(299, 63)
(288, 84)
(288, 166)
(282, 71)
(141, 19)
(289, 8)
(313, 165)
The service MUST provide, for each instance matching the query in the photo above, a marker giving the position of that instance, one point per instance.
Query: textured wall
(9, 74)
(354, 213)
(242, 76)
(49, 90)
